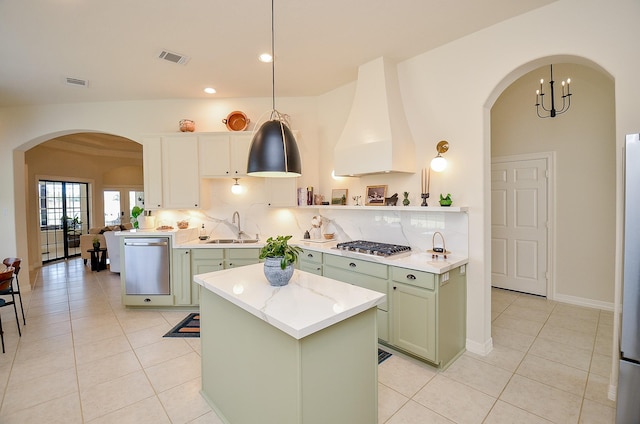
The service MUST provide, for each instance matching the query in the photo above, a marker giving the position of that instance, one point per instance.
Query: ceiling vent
(172, 57)
(76, 82)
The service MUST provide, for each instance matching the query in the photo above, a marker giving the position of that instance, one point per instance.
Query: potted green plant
(279, 258)
(96, 243)
(445, 201)
(136, 211)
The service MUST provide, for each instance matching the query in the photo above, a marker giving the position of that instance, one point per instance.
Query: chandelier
(552, 111)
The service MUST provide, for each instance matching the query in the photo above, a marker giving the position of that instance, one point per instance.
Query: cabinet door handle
(411, 277)
(394, 287)
(309, 255)
(352, 265)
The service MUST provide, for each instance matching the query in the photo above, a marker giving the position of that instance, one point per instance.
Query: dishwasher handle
(158, 243)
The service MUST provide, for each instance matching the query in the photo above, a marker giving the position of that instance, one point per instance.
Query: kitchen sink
(232, 241)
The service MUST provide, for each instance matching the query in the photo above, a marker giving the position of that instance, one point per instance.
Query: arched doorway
(94, 160)
(581, 222)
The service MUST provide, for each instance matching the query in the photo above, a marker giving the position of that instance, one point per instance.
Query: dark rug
(382, 356)
(188, 327)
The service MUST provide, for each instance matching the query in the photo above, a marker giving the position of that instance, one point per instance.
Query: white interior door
(118, 203)
(519, 235)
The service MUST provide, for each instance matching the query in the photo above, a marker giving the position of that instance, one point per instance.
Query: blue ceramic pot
(275, 274)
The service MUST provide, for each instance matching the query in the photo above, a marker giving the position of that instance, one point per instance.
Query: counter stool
(15, 264)
(6, 287)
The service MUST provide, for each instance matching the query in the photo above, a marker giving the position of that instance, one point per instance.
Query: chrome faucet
(233, 221)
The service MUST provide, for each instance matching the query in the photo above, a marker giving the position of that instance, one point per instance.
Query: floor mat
(188, 327)
(382, 356)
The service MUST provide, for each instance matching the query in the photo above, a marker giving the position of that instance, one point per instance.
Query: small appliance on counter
(436, 251)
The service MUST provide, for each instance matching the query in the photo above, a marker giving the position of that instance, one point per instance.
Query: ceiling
(319, 45)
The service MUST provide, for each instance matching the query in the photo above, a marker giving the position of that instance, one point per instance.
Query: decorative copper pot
(187, 125)
(236, 121)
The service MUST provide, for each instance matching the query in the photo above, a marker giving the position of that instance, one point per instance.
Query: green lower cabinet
(413, 312)
(181, 275)
(235, 258)
(190, 262)
(428, 313)
(310, 261)
(203, 261)
(372, 276)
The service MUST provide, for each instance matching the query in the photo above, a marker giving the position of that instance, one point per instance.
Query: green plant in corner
(279, 248)
(136, 211)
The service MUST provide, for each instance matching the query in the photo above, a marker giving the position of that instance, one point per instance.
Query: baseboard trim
(482, 349)
(581, 301)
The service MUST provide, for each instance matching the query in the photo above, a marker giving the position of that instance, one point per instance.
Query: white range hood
(376, 138)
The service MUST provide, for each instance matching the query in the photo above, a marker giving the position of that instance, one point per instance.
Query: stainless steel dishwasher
(146, 265)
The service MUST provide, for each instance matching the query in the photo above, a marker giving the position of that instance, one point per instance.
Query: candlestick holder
(424, 196)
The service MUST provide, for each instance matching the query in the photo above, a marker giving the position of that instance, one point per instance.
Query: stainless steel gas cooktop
(374, 248)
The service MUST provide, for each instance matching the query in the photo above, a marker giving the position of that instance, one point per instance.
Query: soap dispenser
(203, 233)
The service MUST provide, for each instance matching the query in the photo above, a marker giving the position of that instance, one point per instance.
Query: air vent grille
(173, 57)
(76, 82)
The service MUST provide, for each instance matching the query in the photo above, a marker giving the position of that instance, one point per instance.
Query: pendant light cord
(273, 60)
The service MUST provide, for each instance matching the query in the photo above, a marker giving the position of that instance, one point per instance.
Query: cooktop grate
(373, 248)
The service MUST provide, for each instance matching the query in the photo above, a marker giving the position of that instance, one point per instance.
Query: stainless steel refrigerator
(628, 408)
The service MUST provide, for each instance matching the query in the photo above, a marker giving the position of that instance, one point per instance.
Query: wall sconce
(438, 164)
(236, 188)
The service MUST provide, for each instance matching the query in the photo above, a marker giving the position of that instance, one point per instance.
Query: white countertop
(419, 261)
(309, 303)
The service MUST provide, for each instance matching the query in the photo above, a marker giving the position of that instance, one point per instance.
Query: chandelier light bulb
(265, 57)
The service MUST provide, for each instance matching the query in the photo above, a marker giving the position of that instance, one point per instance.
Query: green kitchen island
(304, 353)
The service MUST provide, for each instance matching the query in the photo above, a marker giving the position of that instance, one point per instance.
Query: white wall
(447, 92)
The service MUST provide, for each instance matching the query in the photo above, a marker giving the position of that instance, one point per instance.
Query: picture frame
(375, 195)
(339, 196)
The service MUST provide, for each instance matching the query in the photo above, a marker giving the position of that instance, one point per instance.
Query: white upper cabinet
(171, 179)
(180, 178)
(224, 155)
(152, 165)
(281, 192)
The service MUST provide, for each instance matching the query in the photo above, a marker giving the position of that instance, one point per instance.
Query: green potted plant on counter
(136, 211)
(279, 258)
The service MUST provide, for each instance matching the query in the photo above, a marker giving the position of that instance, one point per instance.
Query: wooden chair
(6, 285)
(15, 264)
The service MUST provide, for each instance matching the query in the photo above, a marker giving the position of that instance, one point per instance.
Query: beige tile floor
(83, 358)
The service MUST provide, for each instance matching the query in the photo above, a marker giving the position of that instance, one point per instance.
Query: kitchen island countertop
(309, 303)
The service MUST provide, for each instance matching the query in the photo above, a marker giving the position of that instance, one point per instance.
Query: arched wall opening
(75, 155)
(585, 221)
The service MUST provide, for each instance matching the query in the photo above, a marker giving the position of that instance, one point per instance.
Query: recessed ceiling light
(210, 90)
(265, 57)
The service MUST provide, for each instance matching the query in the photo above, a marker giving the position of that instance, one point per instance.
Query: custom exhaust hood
(376, 138)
